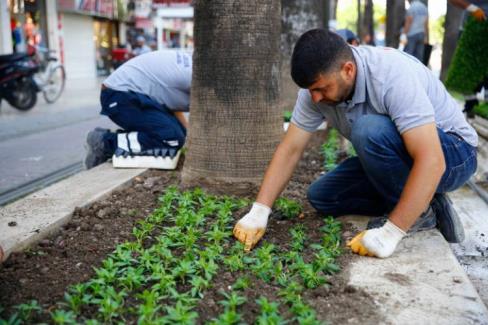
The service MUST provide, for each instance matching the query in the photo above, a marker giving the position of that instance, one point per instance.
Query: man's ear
(348, 70)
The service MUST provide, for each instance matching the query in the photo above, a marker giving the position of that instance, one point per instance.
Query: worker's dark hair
(317, 51)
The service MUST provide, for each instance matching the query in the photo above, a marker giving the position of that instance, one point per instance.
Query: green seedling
(288, 208)
(269, 313)
(184, 269)
(242, 283)
(27, 310)
(228, 317)
(199, 284)
(180, 314)
(63, 317)
(149, 307)
(298, 237)
(325, 262)
(290, 293)
(133, 278)
(329, 150)
(216, 235)
(232, 300)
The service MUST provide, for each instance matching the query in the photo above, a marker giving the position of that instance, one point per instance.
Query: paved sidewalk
(421, 283)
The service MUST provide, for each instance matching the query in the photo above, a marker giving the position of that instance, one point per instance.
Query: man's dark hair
(317, 51)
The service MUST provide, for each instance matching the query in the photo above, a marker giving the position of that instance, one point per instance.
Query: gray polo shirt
(392, 83)
(419, 13)
(164, 76)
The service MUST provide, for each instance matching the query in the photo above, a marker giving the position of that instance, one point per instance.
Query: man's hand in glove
(252, 226)
(379, 242)
(476, 12)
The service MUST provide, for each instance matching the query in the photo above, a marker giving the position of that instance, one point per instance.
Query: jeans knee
(318, 199)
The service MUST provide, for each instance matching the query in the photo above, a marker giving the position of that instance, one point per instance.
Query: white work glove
(250, 228)
(476, 12)
(379, 242)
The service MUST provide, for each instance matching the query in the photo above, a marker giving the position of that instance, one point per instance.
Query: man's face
(335, 87)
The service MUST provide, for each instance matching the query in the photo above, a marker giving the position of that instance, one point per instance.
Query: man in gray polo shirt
(412, 141)
(416, 29)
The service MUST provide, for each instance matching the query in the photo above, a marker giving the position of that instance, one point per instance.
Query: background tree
(368, 22)
(297, 16)
(359, 24)
(235, 121)
(451, 33)
(395, 16)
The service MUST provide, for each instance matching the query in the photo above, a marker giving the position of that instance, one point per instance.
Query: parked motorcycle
(17, 85)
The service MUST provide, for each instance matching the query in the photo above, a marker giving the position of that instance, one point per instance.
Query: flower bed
(166, 256)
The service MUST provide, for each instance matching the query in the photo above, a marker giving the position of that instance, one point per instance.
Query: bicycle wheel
(54, 85)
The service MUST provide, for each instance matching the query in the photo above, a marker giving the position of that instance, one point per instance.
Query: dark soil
(46, 270)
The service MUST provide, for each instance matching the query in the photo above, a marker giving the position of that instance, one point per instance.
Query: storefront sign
(172, 3)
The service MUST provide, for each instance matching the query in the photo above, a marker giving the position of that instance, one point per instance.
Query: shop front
(28, 25)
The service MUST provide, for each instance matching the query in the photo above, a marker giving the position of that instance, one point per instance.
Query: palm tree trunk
(297, 16)
(395, 16)
(451, 33)
(235, 122)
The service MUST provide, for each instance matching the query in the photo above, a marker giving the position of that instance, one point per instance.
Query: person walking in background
(416, 29)
(146, 96)
(141, 46)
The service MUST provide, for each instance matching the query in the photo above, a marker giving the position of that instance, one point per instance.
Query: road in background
(49, 137)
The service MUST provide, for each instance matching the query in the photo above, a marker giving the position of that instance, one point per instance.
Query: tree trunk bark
(451, 33)
(359, 24)
(297, 16)
(395, 16)
(333, 10)
(235, 121)
(368, 23)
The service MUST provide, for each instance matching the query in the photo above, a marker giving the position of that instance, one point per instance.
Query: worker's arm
(474, 10)
(181, 117)
(406, 28)
(423, 145)
(408, 24)
(252, 226)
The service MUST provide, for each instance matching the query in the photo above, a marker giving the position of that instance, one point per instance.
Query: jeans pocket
(458, 175)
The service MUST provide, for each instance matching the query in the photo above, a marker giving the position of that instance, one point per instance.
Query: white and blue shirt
(164, 76)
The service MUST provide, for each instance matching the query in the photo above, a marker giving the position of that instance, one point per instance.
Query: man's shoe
(426, 221)
(98, 148)
(448, 220)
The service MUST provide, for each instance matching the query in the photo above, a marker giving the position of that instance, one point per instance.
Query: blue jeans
(154, 123)
(415, 46)
(371, 183)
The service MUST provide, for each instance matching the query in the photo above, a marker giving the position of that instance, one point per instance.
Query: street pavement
(49, 137)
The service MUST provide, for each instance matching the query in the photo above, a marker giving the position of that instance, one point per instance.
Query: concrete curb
(36, 216)
(421, 283)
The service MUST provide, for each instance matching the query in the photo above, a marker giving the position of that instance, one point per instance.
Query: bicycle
(51, 77)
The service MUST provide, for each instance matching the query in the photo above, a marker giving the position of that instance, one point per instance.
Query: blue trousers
(415, 46)
(156, 125)
(371, 183)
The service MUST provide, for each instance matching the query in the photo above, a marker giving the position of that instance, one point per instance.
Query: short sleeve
(305, 114)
